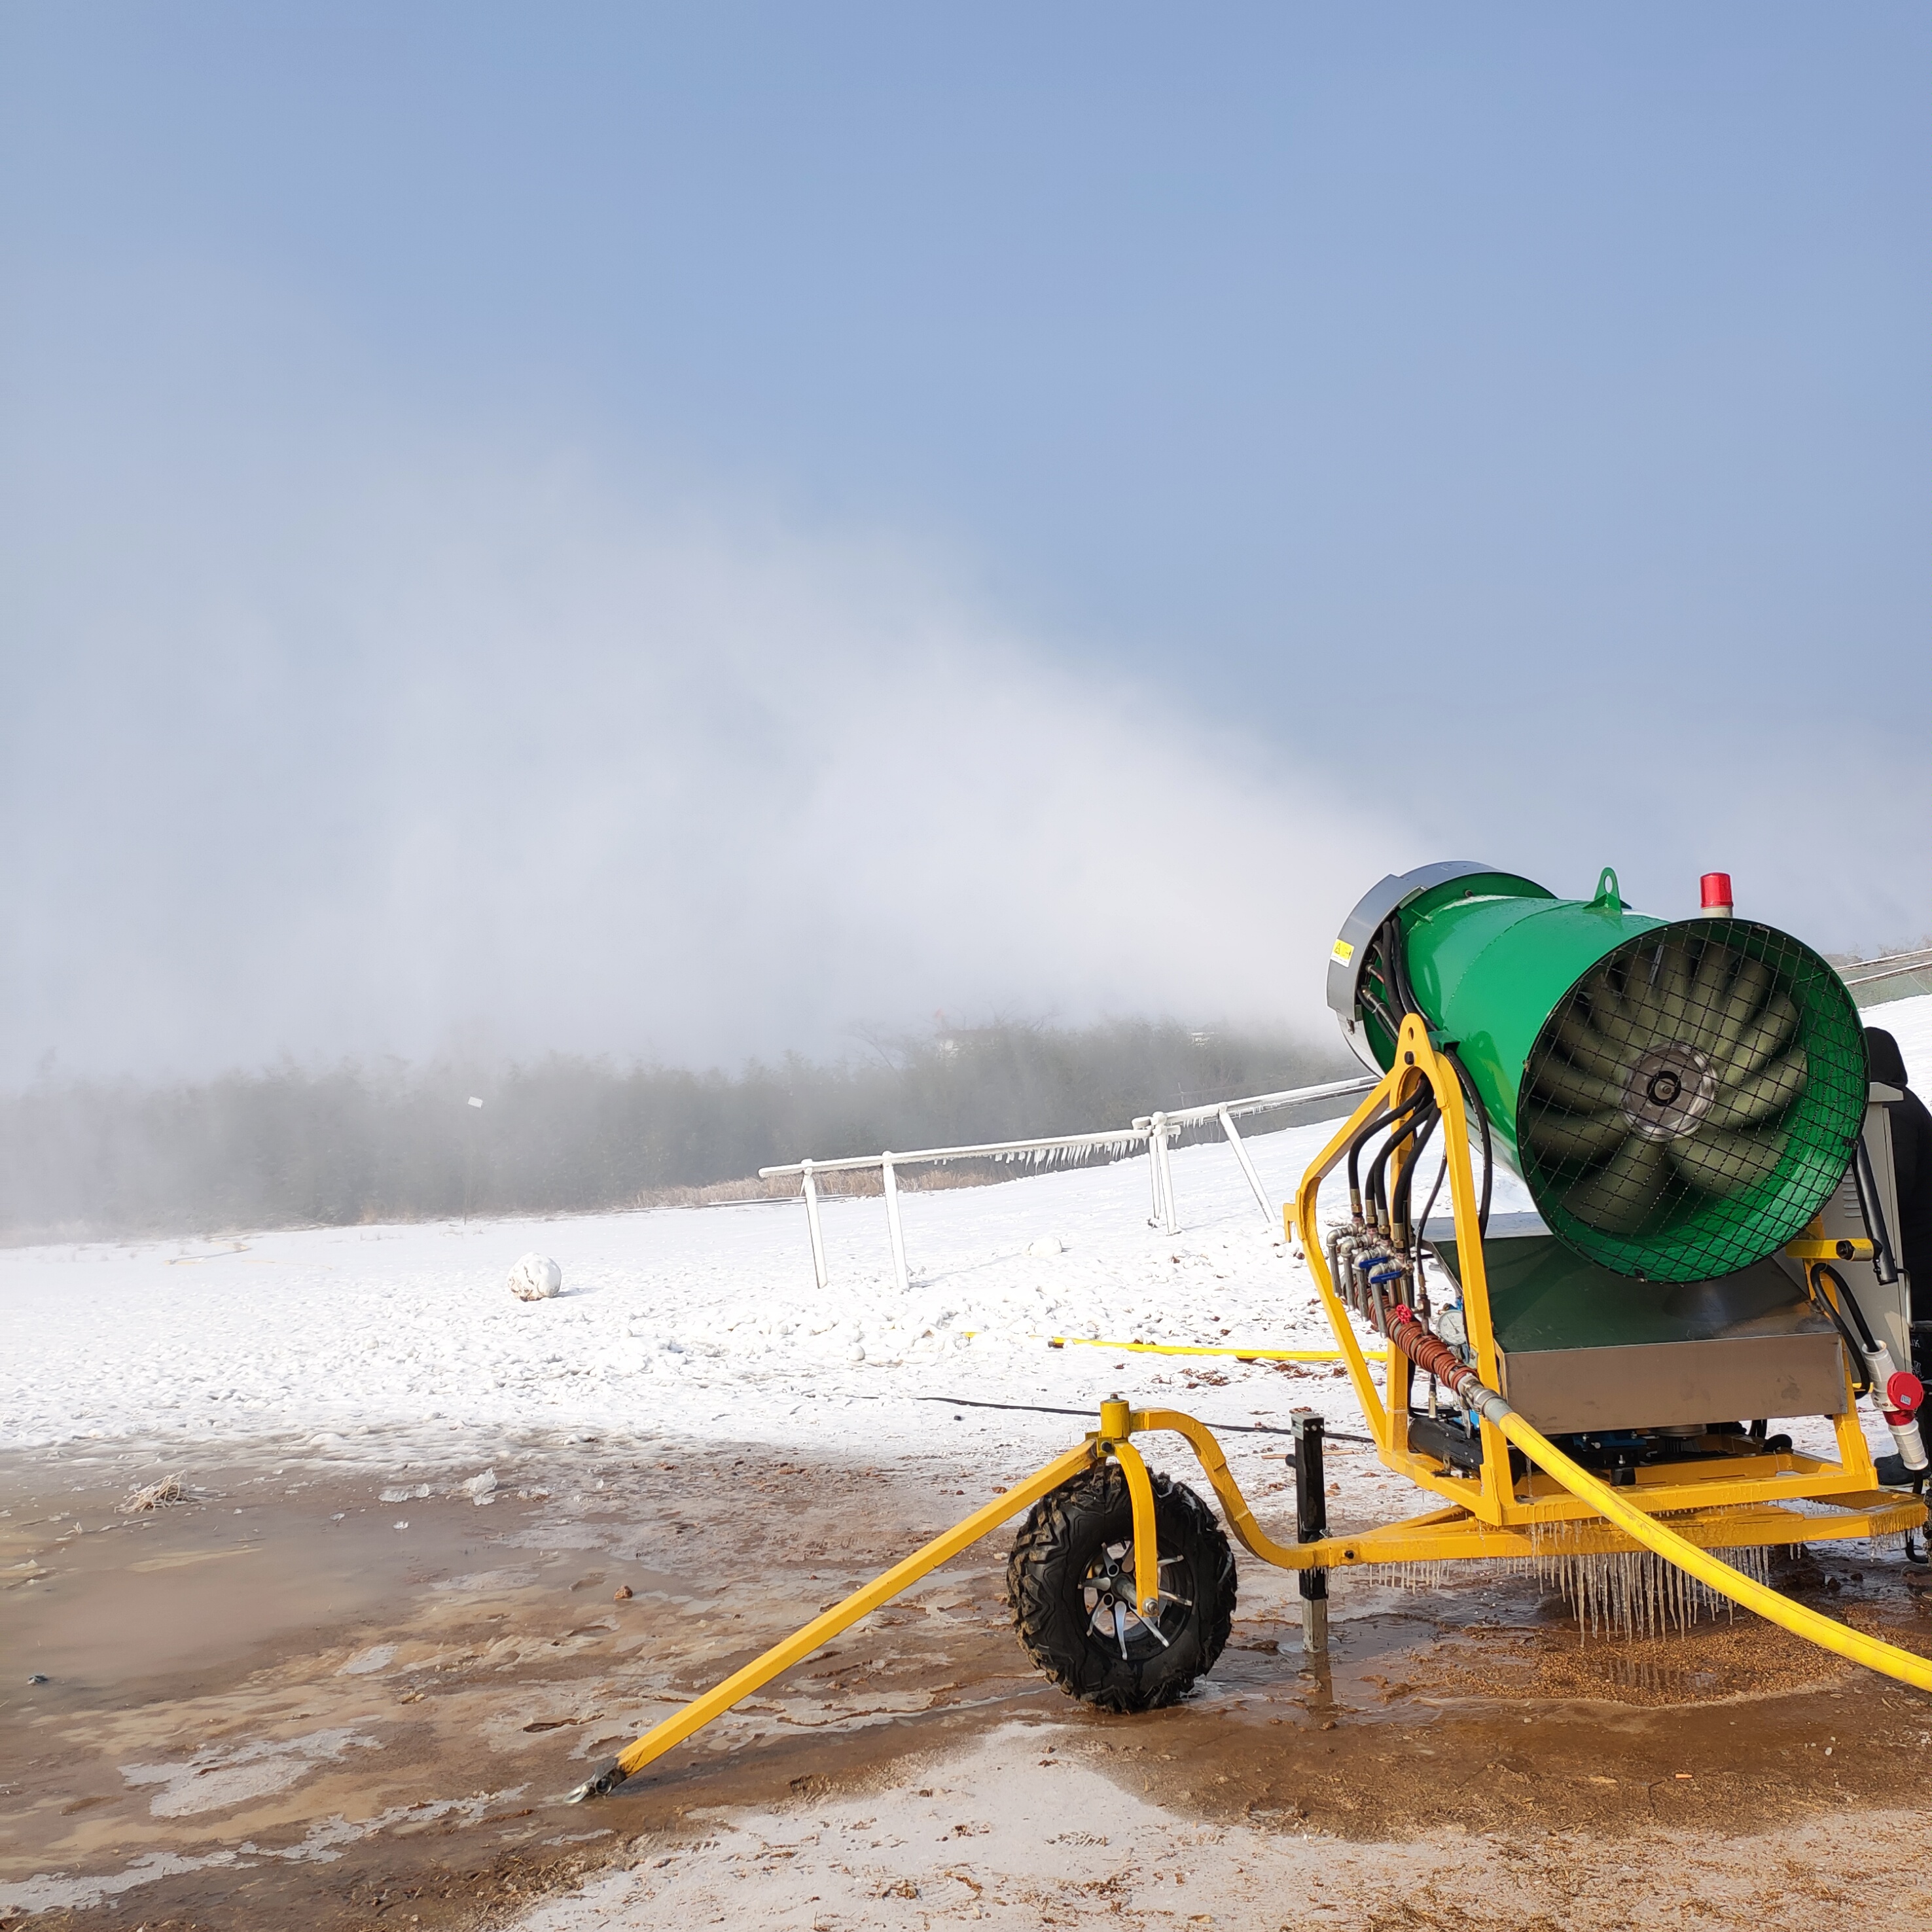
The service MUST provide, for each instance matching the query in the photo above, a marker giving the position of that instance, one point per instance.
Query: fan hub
(1668, 1091)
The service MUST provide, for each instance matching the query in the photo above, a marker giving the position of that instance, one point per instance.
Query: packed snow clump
(536, 1278)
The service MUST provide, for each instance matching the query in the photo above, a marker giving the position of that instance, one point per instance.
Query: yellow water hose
(1871, 1651)
(1408, 1334)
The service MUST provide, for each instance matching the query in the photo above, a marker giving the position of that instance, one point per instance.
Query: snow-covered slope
(1910, 1022)
(695, 1322)
(703, 1322)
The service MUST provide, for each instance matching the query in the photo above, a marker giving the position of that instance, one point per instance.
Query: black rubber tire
(1064, 1536)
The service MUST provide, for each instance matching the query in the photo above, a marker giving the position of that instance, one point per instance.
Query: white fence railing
(1155, 1131)
(1892, 966)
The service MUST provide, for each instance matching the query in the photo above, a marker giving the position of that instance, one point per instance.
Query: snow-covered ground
(1910, 1022)
(697, 1323)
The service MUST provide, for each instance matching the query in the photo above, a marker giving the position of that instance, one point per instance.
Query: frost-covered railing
(1156, 1131)
(1161, 1129)
(1912, 965)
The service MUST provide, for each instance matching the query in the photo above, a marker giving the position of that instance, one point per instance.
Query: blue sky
(1345, 437)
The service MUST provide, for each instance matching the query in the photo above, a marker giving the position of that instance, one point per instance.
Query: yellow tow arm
(824, 1627)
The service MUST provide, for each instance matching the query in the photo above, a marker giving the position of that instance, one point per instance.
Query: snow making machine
(1590, 1390)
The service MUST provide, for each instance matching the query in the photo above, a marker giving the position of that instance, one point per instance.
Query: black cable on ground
(1219, 1428)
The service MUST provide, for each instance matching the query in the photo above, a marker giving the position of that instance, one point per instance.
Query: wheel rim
(1112, 1618)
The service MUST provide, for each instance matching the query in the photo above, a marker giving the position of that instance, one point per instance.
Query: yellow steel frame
(1452, 1534)
(1731, 1503)
(1495, 1498)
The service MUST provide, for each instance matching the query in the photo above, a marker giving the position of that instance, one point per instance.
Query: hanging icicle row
(1631, 1593)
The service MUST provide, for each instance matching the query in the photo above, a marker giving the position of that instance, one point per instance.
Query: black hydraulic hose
(1401, 1123)
(1426, 1123)
(1375, 1206)
(1391, 1022)
(1396, 967)
(1381, 1118)
(1387, 945)
(1862, 1381)
(1428, 1207)
(1885, 1263)
(1482, 1113)
(1417, 1136)
(1851, 1301)
(1355, 1147)
(1396, 953)
(1400, 1230)
(1379, 1190)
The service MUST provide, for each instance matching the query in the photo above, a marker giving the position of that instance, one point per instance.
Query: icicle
(1634, 1593)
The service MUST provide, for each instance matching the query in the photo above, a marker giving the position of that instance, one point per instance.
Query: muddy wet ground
(331, 1696)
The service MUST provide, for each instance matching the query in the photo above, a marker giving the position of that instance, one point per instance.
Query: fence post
(1247, 1165)
(1168, 1220)
(811, 1221)
(891, 1184)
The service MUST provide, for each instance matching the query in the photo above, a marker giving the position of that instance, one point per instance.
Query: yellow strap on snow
(1180, 1348)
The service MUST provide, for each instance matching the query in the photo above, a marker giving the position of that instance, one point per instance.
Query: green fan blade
(1589, 1049)
(1567, 1137)
(1761, 1096)
(1619, 1197)
(1726, 1164)
(1570, 1086)
(1758, 1041)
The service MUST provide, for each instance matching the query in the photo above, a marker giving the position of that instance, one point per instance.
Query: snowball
(536, 1278)
(1047, 1244)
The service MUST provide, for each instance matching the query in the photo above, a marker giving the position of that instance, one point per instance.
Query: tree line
(290, 1145)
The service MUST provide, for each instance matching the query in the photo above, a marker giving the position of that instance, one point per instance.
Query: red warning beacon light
(1717, 894)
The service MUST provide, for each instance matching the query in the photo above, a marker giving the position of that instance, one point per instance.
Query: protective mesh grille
(1693, 1100)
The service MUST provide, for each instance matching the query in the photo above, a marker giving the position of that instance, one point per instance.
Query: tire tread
(1049, 1557)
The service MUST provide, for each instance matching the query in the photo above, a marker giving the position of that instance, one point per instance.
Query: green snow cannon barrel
(1680, 1096)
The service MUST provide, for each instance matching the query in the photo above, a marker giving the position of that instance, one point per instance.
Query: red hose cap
(1716, 887)
(1903, 1393)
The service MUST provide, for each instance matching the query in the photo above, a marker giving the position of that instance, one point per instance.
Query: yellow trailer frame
(1493, 1498)
(1554, 1510)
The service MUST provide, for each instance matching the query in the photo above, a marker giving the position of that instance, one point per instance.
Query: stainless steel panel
(1888, 1308)
(1662, 1384)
